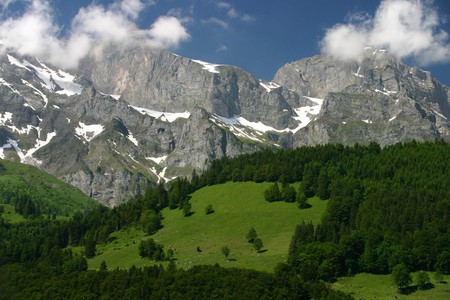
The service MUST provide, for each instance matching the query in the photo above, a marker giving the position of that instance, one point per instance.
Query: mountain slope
(134, 115)
(49, 193)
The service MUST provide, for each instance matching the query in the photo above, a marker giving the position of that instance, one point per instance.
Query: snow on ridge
(439, 114)
(39, 144)
(165, 116)
(257, 126)
(304, 113)
(3, 82)
(268, 86)
(157, 160)
(88, 132)
(51, 78)
(132, 139)
(36, 91)
(207, 66)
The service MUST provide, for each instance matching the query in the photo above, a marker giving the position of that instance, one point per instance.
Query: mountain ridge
(135, 116)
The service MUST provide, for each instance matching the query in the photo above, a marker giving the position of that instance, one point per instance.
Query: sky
(257, 36)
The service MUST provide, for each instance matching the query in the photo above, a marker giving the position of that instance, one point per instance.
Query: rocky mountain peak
(135, 116)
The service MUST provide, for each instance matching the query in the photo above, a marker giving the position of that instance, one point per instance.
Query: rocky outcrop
(134, 116)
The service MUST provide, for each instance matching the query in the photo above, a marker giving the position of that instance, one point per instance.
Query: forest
(386, 207)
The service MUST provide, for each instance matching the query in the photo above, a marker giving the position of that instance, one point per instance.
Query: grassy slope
(46, 189)
(10, 215)
(238, 206)
(368, 286)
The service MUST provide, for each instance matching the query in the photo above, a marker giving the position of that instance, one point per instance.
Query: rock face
(133, 116)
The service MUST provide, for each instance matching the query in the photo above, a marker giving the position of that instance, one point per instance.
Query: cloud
(216, 21)
(222, 48)
(232, 12)
(407, 28)
(167, 32)
(36, 33)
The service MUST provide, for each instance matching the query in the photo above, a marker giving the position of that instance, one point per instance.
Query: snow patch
(268, 86)
(59, 81)
(304, 113)
(132, 139)
(9, 85)
(357, 73)
(392, 119)
(88, 132)
(207, 66)
(39, 144)
(439, 114)
(157, 160)
(165, 116)
(367, 121)
(36, 91)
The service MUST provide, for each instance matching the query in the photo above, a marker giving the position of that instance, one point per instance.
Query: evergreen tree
(288, 194)
(258, 244)
(401, 276)
(273, 193)
(226, 252)
(251, 235)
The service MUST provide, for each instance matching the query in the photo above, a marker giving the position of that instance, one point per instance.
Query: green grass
(368, 286)
(10, 215)
(238, 206)
(46, 190)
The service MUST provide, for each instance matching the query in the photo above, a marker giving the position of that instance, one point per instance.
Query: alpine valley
(130, 116)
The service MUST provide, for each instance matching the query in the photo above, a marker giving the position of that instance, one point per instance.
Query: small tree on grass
(209, 209)
(423, 280)
(187, 209)
(401, 276)
(226, 251)
(288, 193)
(302, 201)
(258, 244)
(438, 276)
(273, 193)
(251, 235)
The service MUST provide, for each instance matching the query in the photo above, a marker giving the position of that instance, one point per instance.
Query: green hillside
(49, 193)
(237, 206)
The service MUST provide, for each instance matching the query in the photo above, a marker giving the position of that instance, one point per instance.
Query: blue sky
(260, 36)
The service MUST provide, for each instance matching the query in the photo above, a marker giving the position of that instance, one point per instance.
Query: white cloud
(216, 21)
(222, 48)
(406, 28)
(167, 32)
(234, 13)
(35, 32)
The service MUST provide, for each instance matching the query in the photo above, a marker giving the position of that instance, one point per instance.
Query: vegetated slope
(237, 206)
(386, 206)
(19, 183)
(382, 287)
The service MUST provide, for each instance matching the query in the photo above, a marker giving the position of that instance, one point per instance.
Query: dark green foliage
(251, 235)
(150, 249)
(199, 282)
(401, 276)
(273, 193)
(226, 252)
(423, 280)
(288, 194)
(151, 221)
(209, 209)
(103, 266)
(302, 201)
(258, 244)
(187, 206)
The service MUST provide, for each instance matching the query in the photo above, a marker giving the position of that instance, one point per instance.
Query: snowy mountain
(135, 116)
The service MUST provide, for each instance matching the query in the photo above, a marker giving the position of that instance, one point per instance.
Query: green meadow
(369, 286)
(198, 239)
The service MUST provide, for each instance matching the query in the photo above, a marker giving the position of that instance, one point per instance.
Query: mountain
(132, 116)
